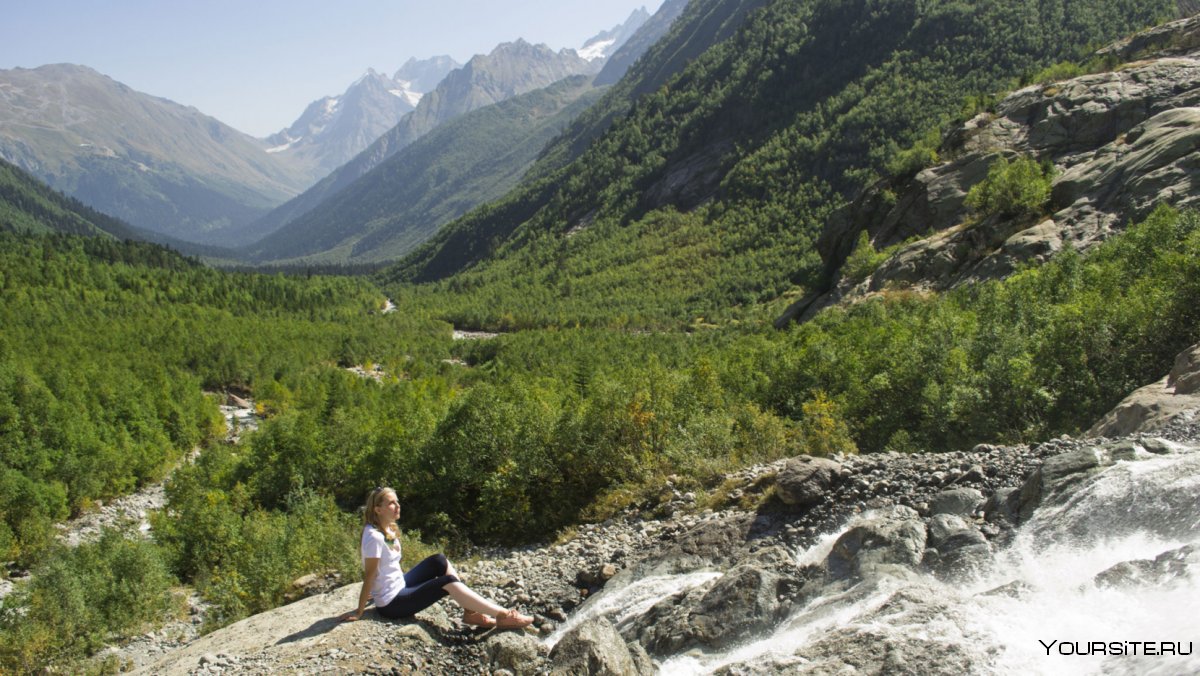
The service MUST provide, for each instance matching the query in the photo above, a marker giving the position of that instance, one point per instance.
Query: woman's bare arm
(370, 570)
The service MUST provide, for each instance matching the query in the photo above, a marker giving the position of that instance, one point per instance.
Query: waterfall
(1036, 610)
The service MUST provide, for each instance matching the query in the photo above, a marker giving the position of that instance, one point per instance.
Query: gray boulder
(887, 540)
(665, 628)
(1185, 374)
(879, 652)
(594, 647)
(956, 501)
(957, 549)
(804, 480)
(517, 652)
(742, 603)
(1055, 476)
(1164, 568)
(942, 527)
(999, 507)
(1154, 406)
(872, 645)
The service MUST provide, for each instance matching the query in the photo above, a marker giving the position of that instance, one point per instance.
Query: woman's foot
(511, 619)
(478, 619)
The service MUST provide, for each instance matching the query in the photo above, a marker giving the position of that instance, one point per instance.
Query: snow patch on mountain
(285, 146)
(596, 50)
(413, 98)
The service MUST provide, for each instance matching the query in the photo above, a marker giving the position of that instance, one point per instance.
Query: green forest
(637, 339)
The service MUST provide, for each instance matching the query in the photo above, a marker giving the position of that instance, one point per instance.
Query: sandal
(511, 619)
(478, 619)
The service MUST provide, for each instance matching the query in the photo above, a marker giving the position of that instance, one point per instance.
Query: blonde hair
(375, 498)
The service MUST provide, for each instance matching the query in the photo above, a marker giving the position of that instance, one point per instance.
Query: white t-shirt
(389, 579)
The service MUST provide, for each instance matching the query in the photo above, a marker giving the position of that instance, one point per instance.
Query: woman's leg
(429, 568)
(431, 580)
(469, 600)
(438, 566)
(413, 599)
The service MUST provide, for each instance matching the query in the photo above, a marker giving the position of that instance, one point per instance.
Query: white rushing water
(621, 604)
(1130, 511)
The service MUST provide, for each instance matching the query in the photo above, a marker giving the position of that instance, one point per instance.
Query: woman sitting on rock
(398, 594)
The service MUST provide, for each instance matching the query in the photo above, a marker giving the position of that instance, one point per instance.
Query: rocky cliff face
(1120, 142)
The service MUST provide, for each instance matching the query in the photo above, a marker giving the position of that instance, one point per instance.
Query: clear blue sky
(255, 64)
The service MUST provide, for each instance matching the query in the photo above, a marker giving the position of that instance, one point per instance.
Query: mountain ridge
(333, 129)
(738, 158)
(509, 69)
(461, 164)
(176, 171)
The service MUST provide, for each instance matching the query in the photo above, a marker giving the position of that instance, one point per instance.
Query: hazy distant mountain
(148, 161)
(334, 129)
(29, 205)
(648, 31)
(606, 43)
(465, 162)
(425, 74)
(510, 69)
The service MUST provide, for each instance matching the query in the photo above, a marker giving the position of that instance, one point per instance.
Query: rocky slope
(1120, 142)
(881, 564)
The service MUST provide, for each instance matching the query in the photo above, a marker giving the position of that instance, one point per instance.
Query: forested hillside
(706, 198)
(28, 205)
(108, 348)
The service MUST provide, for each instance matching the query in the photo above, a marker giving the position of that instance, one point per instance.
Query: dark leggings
(423, 587)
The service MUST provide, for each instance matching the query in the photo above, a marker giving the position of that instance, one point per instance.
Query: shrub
(923, 153)
(823, 431)
(80, 597)
(864, 260)
(1012, 189)
(1058, 72)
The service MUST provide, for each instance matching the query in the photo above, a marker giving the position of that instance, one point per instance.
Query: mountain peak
(604, 44)
(422, 75)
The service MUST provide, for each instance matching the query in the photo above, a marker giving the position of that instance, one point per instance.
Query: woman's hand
(370, 570)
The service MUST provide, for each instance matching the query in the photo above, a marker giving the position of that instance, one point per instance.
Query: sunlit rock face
(1119, 144)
